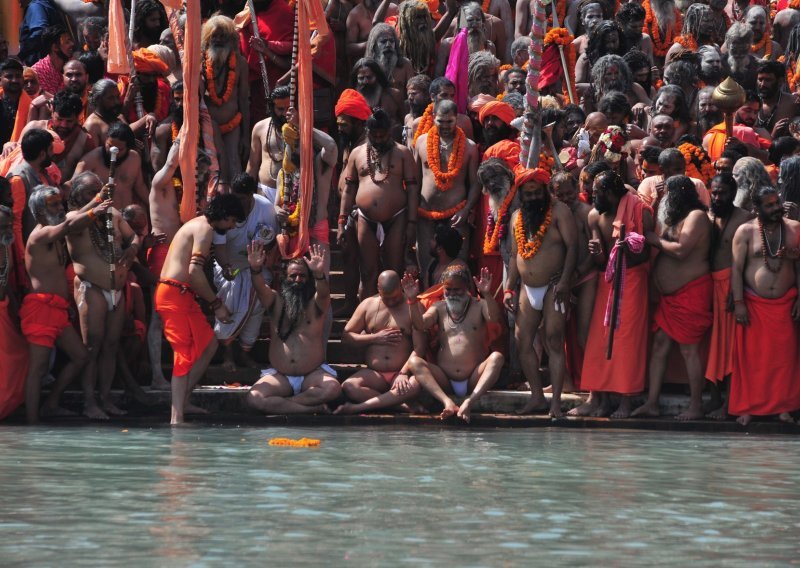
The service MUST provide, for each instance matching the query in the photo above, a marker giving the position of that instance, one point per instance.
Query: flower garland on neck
(444, 179)
(425, 123)
(561, 37)
(229, 83)
(496, 230)
(289, 180)
(660, 45)
(765, 44)
(698, 164)
(688, 42)
(794, 5)
(527, 249)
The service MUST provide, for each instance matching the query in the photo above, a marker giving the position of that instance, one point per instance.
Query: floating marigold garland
(301, 443)
(527, 249)
(425, 123)
(229, 83)
(561, 37)
(698, 164)
(660, 45)
(289, 180)
(496, 230)
(444, 180)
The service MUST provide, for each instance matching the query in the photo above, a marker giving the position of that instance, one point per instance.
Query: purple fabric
(457, 69)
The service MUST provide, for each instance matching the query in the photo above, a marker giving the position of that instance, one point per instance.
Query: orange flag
(117, 44)
(191, 108)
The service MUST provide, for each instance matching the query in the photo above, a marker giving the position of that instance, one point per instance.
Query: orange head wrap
(145, 61)
(476, 103)
(433, 6)
(28, 73)
(352, 103)
(501, 110)
(506, 150)
(524, 175)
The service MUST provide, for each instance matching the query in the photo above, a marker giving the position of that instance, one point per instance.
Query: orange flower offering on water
(301, 443)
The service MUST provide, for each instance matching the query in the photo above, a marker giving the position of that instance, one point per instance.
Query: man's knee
(352, 386)
(555, 341)
(688, 350)
(331, 389)
(661, 344)
(496, 358)
(417, 363)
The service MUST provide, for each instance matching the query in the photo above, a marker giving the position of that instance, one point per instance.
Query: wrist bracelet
(91, 214)
(98, 198)
(342, 219)
(509, 291)
(411, 302)
(321, 277)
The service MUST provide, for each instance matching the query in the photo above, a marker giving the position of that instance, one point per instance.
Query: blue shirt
(39, 15)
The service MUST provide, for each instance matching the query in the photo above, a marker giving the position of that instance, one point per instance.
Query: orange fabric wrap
(765, 373)
(156, 257)
(43, 317)
(506, 150)
(524, 175)
(352, 103)
(21, 120)
(185, 326)
(625, 372)
(685, 315)
(723, 330)
(145, 61)
(13, 363)
(117, 40)
(501, 110)
(630, 212)
(191, 109)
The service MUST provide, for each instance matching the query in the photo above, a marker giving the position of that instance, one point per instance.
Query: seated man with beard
(462, 366)
(300, 382)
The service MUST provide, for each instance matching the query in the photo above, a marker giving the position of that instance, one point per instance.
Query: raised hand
(316, 261)
(103, 207)
(484, 285)
(256, 256)
(410, 286)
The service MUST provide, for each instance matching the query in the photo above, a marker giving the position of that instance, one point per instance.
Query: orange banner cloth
(625, 372)
(145, 61)
(685, 315)
(117, 40)
(723, 330)
(191, 108)
(766, 370)
(185, 326)
(13, 363)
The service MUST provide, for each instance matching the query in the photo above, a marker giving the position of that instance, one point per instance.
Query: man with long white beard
(227, 91)
(472, 19)
(417, 39)
(383, 47)
(44, 316)
(662, 23)
(740, 64)
(299, 382)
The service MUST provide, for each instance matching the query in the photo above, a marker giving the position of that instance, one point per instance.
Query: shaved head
(388, 281)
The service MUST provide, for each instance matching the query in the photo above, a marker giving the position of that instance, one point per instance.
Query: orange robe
(13, 363)
(766, 364)
(185, 326)
(720, 352)
(685, 315)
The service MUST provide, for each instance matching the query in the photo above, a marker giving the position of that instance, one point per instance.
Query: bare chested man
(764, 285)
(478, 33)
(380, 178)
(448, 168)
(104, 97)
(44, 316)
(167, 131)
(683, 277)
(381, 326)
(359, 24)
(369, 79)
(462, 366)
(228, 91)
(441, 89)
(129, 186)
(266, 146)
(545, 266)
(299, 382)
(726, 218)
(183, 281)
(384, 47)
(99, 311)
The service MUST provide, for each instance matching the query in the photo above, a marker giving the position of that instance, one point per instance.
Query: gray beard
(456, 304)
(496, 199)
(476, 41)
(53, 220)
(664, 11)
(219, 57)
(387, 63)
(738, 65)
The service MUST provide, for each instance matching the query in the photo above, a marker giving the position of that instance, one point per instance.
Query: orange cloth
(501, 110)
(145, 61)
(190, 130)
(117, 35)
(156, 257)
(718, 137)
(20, 198)
(352, 103)
(723, 330)
(43, 317)
(766, 371)
(625, 372)
(506, 150)
(321, 232)
(685, 315)
(185, 326)
(524, 175)
(630, 212)
(21, 120)
(13, 363)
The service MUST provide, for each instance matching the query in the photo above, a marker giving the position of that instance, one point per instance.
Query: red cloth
(501, 110)
(51, 79)
(625, 372)
(506, 150)
(275, 27)
(352, 103)
(185, 326)
(685, 315)
(766, 370)
(723, 330)
(630, 212)
(156, 257)
(43, 317)
(551, 70)
(161, 108)
(13, 363)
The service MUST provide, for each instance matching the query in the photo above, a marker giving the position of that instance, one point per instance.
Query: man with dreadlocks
(611, 73)
(699, 29)
(482, 72)
(462, 366)
(167, 131)
(740, 64)
(228, 91)
(151, 20)
(662, 23)
(384, 47)
(472, 18)
(417, 38)
(359, 24)
(299, 381)
(104, 97)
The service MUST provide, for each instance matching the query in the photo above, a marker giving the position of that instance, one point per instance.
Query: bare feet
(786, 417)
(319, 409)
(347, 408)
(624, 408)
(247, 361)
(112, 409)
(55, 412)
(585, 409)
(534, 404)
(228, 365)
(555, 409)
(159, 383)
(190, 408)
(603, 408)
(450, 409)
(692, 413)
(720, 413)
(648, 409)
(465, 409)
(93, 412)
(744, 419)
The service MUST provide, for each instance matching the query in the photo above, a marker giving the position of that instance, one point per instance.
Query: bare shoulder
(422, 143)
(583, 210)
(261, 125)
(740, 216)
(562, 212)
(405, 151)
(745, 229)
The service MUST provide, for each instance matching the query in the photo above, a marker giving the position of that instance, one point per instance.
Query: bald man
(596, 124)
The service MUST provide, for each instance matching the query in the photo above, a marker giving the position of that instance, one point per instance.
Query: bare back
(672, 273)
(193, 237)
(45, 263)
(129, 184)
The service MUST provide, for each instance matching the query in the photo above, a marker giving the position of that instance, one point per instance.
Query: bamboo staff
(138, 96)
(112, 259)
(531, 138)
(256, 35)
(617, 288)
(563, 57)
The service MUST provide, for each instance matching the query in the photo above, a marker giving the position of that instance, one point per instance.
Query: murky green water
(388, 496)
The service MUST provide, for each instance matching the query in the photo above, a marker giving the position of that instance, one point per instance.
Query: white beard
(387, 63)
(739, 66)
(476, 41)
(664, 11)
(219, 57)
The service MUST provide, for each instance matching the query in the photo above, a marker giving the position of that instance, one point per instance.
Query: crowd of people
(654, 235)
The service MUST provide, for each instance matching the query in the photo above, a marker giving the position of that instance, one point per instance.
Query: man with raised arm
(44, 316)
(182, 282)
(299, 382)
(381, 326)
(462, 366)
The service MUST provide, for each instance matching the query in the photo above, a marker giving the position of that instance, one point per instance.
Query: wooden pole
(615, 307)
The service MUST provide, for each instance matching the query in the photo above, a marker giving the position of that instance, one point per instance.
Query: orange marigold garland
(425, 123)
(433, 215)
(496, 230)
(794, 5)
(486, 5)
(444, 179)
(527, 249)
(562, 37)
(688, 42)
(660, 45)
(765, 44)
(229, 83)
(301, 443)
(698, 164)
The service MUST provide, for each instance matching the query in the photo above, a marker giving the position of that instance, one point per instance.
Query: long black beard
(371, 92)
(120, 159)
(712, 77)
(417, 109)
(149, 96)
(295, 296)
(722, 210)
(494, 135)
(176, 112)
(533, 213)
(708, 120)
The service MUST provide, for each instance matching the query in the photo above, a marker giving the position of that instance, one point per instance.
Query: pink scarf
(457, 67)
(636, 245)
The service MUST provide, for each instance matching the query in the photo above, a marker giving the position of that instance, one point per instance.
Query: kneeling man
(300, 381)
(462, 367)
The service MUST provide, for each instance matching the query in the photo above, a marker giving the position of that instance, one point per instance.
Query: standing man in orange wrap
(766, 366)
(726, 218)
(182, 282)
(624, 373)
(683, 278)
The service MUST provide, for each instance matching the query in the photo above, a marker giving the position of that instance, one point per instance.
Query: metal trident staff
(112, 259)
(138, 96)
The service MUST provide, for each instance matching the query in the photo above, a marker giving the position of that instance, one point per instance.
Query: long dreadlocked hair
(691, 21)
(417, 47)
(478, 62)
(602, 65)
(793, 45)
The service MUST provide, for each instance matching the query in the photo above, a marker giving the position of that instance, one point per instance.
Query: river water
(386, 496)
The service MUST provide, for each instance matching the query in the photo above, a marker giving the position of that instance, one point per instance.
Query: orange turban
(501, 110)
(433, 7)
(28, 73)
(506, 150)
(145, 61)
(352, 103)
(524, 175)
